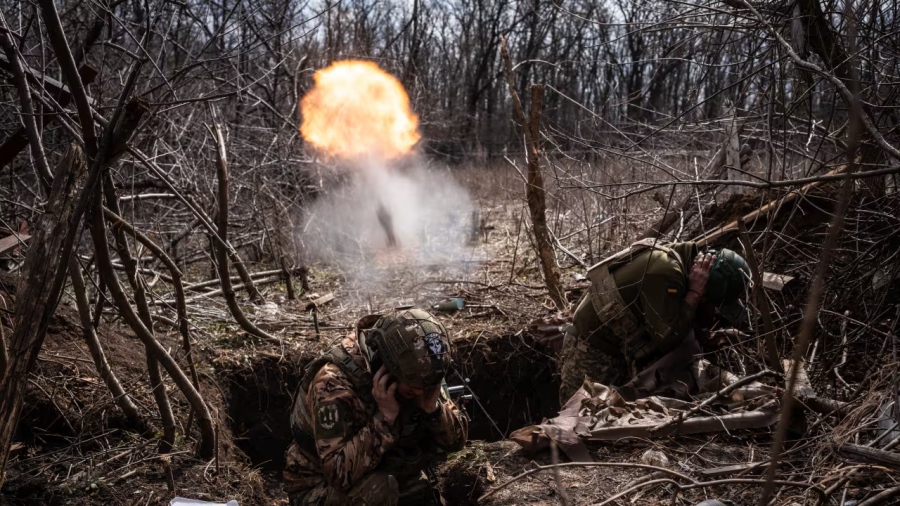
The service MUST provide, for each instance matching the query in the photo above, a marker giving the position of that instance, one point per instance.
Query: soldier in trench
(372, 413)
(645, 303)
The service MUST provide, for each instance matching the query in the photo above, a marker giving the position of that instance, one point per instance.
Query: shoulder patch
(330, 420)
(672, 288)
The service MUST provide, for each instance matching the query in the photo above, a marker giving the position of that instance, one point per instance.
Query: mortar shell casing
(449, 305)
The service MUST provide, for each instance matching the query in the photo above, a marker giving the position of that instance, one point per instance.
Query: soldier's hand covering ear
(383, 391)
(429, 401)
(700, 275)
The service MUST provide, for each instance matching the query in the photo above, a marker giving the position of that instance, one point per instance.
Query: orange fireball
(356, 109)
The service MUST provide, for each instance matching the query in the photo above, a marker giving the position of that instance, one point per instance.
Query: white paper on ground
(181, 501)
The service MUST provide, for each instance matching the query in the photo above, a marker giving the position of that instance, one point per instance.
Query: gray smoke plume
(429, 213)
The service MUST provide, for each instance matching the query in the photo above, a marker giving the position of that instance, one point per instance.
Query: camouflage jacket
(343, 436)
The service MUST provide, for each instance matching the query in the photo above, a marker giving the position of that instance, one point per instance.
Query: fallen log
(256, 275)
(325, 299)
(732, 227)
(869, 455)
(762, 417)
(808, 397)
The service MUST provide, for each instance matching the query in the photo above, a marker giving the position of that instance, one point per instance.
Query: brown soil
(74, 448)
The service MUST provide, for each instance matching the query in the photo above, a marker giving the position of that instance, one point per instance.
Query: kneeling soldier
(643, 303)
(371, 413)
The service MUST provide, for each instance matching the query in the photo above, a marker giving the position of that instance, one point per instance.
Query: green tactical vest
(610, 307)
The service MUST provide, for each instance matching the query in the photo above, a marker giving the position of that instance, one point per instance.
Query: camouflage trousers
(375, 489)
(582, 358)
(378, 488)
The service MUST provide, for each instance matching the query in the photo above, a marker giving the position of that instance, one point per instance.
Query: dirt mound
(74, 447)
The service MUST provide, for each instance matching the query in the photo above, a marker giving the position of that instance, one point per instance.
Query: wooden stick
(104, 266)
(220, 250)
(288, 280)
(762, 300)
(881, 497)
(122, 399)
(534, 187)
(554, 456)
(870, 455)
(539, 468)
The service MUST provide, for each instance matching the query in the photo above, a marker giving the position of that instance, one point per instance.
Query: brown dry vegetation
(73, 446)
(182, 119)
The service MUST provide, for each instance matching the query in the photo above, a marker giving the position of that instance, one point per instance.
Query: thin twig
(539, 468)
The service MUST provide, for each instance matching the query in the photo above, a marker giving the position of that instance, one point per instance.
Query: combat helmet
(727, 282)
(414, 347)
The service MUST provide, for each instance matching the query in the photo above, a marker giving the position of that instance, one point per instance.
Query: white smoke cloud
(430, 212)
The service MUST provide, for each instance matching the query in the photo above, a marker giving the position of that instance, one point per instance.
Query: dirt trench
(259, 397)
(515, 383)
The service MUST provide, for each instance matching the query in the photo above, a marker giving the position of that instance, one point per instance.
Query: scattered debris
(775, 282)
(317, 301)
(655, 458)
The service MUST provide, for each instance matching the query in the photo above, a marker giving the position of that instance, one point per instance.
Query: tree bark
(123, 400)
(140, 300)
(39, 291)
(219, 247)
(104, 266)
(534, 186)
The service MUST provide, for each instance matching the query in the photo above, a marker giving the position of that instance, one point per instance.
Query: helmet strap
(361, 337)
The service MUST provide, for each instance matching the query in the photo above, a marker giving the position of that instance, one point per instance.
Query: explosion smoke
(373, 212)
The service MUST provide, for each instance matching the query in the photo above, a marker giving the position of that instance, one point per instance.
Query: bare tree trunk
(534, 187)
(39, 291)
(220, 251)
(140, 300)
(104, 266)
(123, 400)
(175, 273)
